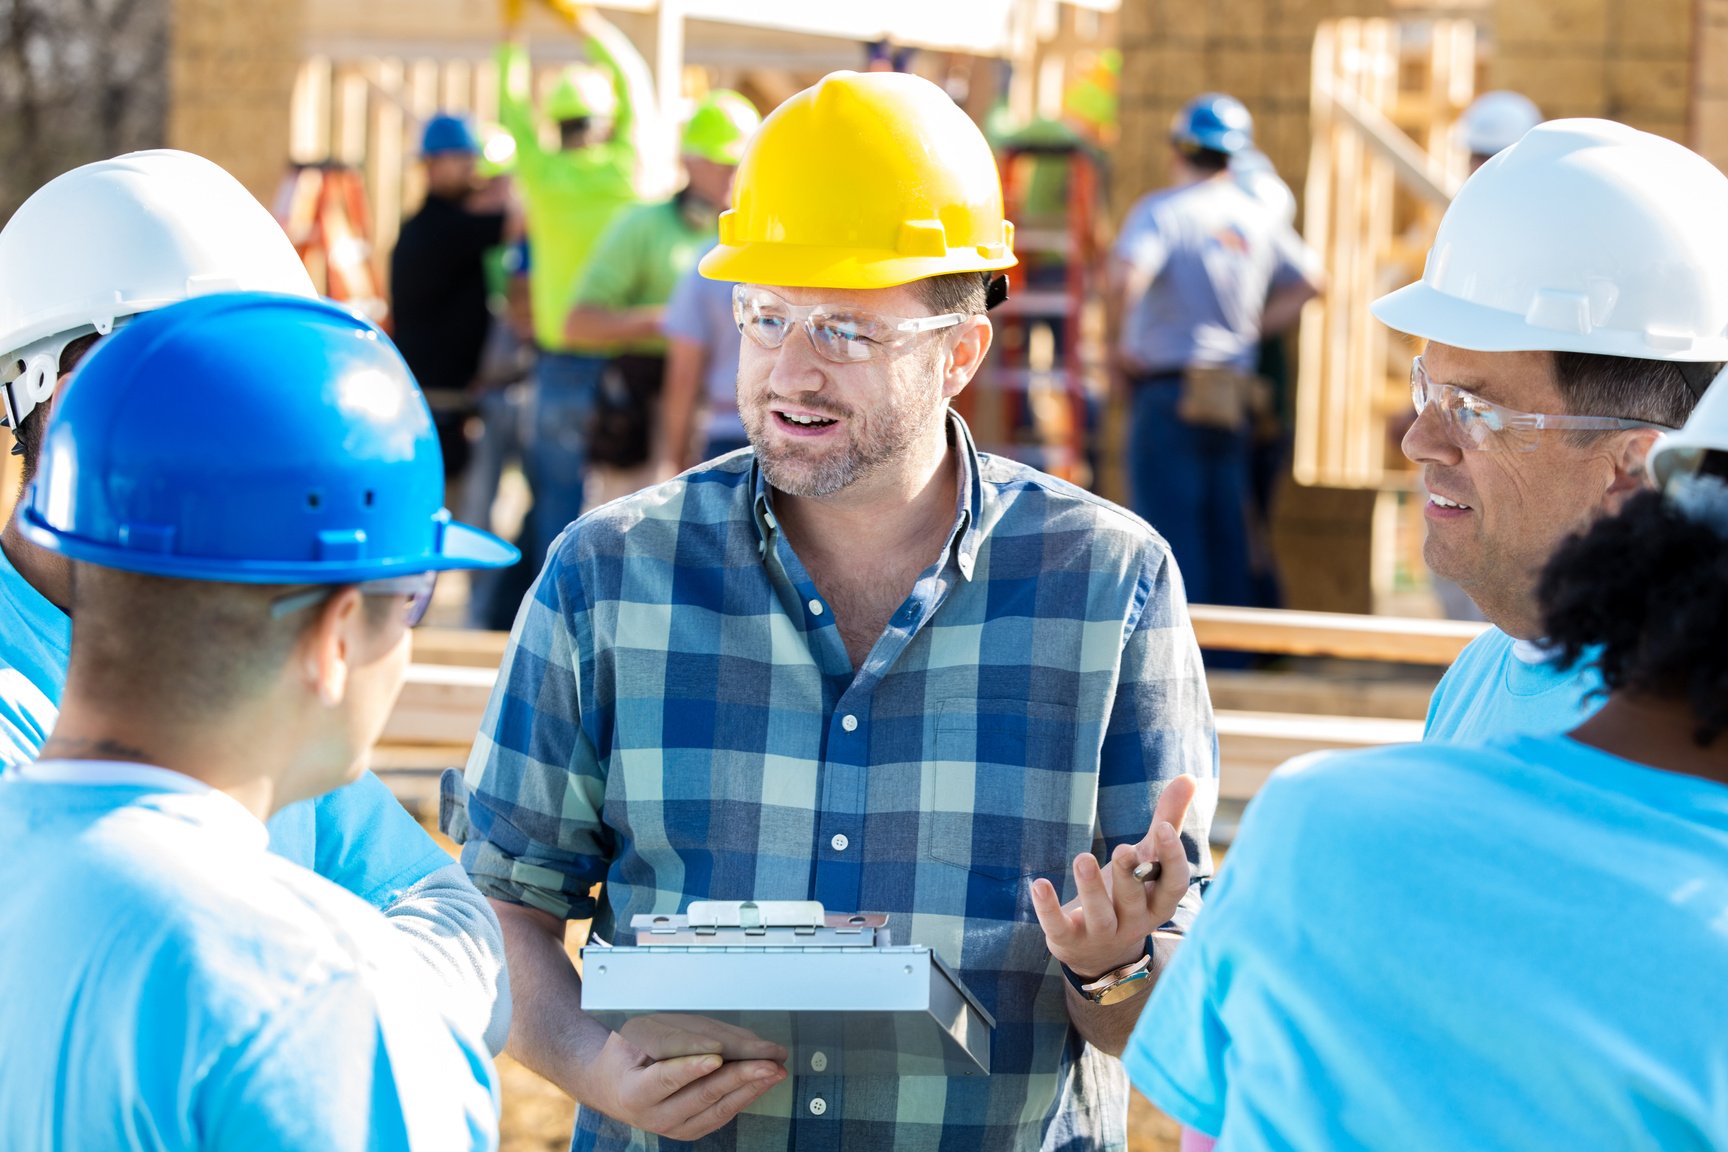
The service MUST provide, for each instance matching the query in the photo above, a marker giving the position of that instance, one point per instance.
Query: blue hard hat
(446, 133)
(250, 438)
(1214, 122)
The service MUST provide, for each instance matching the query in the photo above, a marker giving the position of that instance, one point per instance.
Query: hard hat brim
(1421, 311)
(466, 546)
(463, 546)
(798, 266)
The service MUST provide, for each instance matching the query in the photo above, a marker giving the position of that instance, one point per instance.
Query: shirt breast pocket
(1008, 799)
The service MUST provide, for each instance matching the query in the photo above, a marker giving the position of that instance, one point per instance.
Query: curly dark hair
(1649, 587)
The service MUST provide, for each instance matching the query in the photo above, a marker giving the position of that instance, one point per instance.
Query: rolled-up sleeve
(531, 828)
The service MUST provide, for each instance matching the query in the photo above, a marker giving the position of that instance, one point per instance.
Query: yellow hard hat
(866, 180)
(720, 127)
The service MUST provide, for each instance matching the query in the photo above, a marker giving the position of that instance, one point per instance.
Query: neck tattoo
(67, 748)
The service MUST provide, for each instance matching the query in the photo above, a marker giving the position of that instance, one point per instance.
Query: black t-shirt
(438, 292)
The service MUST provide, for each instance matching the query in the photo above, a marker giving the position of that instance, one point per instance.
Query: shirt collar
(213, 806)
(962, 541)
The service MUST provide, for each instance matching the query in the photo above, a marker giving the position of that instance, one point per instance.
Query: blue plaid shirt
(677, 719)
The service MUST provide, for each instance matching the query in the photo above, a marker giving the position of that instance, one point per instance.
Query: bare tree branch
(79, 81)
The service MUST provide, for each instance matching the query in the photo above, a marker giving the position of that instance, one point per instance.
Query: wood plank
(461, 647)
(1329, 694)
(1349, 637)
(1251, 745)
(439, 705)
(1339, 634)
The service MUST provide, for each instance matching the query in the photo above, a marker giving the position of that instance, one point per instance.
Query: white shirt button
(818, 1106)
(815, 607)
(849, 722)
(818, 1063)
(840, 843)
(966, 563)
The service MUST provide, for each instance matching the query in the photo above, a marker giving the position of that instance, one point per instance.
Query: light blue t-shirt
(1434, 947)
(357, 837)
(1499, 686)
(35, 646)
(170, 984)
(1213, 254)
(700, 312)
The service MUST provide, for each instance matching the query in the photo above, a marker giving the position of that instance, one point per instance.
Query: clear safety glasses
(1481, 425)
(418, 589)
(841, 334)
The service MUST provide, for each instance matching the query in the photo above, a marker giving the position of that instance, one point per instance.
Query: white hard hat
(1254, 174)
(1585, 236)
(1496, 121)
(122, 236)
(1679, 453)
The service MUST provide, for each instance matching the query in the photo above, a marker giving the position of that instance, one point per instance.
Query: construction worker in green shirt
(621, 298)
(571, 194)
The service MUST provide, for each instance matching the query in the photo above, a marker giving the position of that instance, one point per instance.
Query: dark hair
(955, 292)
(1205, 159)
(188, 649)
(29, 431)
(1646, 586)
(1653, 390)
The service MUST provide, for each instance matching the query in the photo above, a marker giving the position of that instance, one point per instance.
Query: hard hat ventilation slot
(314, 499)
(368, 498)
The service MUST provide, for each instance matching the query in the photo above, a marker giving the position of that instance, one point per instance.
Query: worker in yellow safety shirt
(571, 193)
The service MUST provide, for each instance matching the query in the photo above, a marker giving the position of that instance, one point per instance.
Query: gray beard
(828, 477)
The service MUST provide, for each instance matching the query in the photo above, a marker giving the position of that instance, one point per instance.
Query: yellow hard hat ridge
(865, 180)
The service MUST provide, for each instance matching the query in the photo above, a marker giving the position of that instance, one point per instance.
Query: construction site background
(252, 84)
(220, 77)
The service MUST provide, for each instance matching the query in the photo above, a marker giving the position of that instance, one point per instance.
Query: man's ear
(966, 355)
(326, 647)
(1631, 452)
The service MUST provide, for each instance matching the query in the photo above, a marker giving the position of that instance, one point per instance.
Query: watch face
(1125, 988)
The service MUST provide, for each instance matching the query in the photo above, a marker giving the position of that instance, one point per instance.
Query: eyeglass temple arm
(926, 323)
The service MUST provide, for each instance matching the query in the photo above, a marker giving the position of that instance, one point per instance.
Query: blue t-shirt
(1518, 946)
(1212, 254)
(700, 312)
(35, 645)
(1499, 686)
(358, 836)
(171, 984)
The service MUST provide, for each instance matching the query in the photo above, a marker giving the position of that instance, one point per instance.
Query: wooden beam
(1252, 744)
(1413, 166)
(1342, 635)
(1337, 634)
(459, 646)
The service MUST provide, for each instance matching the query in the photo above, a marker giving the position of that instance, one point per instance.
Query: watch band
(1118, 984)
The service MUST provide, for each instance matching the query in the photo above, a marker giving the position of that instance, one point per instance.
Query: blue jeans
(504, 415)
(1191, 484)
(566, 386)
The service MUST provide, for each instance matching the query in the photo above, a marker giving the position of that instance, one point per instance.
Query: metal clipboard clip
(764, 923)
